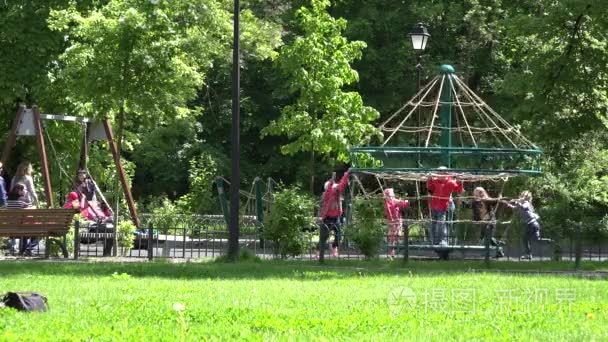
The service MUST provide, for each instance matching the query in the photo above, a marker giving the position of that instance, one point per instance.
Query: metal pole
(418, 71)
(446, 113)
(233, 234)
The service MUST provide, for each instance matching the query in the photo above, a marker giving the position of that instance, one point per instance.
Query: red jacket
(441, 189)
(331, 203)
(393, 207)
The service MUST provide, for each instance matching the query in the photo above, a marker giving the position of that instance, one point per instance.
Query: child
(441, 188)
(484, 210)
(392, 212)
(83, 185)
(72, 201)
(330, 213)
(530, 217)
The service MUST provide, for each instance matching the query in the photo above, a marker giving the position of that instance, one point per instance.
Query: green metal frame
(442, 150)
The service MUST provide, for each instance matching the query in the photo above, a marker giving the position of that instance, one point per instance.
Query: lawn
(304, 301)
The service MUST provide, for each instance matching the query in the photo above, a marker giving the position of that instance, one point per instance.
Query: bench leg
(64, 248)
(47, 248)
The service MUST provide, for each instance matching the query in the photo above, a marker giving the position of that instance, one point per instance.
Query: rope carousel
(445, 131)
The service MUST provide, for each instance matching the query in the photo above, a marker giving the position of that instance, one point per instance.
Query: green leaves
(324, 118)
(288, 222)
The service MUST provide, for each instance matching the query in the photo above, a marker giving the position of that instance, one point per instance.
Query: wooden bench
(45, 223)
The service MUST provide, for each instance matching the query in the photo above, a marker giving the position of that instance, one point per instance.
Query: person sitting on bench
(18, 199)
(3, 193)
(24, 176)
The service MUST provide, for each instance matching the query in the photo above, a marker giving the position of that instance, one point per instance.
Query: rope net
(462, 227)
(446, 124)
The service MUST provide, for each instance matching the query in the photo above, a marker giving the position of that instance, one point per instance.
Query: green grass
(302, 301)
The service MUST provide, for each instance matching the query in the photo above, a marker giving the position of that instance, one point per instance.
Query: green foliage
(324, 118)
(200, 199)
(286, 225)
(125, 234)
(369, 227)
(165, 215)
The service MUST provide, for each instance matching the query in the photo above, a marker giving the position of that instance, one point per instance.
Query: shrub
(55, 250)
(286, 225)
(125, 234)
(368, 226)
(165, 216)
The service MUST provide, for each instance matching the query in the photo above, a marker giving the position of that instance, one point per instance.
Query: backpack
(25, 301)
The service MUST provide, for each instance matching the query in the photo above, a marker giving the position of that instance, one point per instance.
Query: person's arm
(457, 186)
(403, 203)
(343, 182)
(3, 195)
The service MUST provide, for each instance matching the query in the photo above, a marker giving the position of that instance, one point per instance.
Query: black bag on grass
(25, 301)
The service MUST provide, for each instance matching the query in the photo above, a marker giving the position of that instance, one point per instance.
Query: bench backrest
(35, 222)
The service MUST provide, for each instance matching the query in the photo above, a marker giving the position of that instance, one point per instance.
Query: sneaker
(526, 257)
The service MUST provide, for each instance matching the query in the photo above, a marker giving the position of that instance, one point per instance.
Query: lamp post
(233, 227)
(420, 35)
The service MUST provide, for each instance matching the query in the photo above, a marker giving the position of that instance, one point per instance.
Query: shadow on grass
(299, 270)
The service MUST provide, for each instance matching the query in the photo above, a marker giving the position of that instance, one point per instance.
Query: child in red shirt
(392, 211)
(441, 188)
(330, 213)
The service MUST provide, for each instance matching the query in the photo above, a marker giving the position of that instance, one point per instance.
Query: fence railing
(198, 236)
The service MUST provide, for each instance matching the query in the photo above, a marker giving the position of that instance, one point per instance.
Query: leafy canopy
(324, 117)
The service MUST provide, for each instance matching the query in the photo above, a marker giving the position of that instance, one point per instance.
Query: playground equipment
(28, 122)
(444, 130)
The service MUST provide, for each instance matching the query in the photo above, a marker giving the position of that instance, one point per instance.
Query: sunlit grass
(303, 301)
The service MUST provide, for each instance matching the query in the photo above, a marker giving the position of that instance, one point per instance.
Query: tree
(324, 117)
(147, 58)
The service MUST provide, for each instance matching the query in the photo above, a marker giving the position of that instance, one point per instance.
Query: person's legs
(527, 243)
(323, 235)
(437, 220)
(393, 237)
(32, 243)
(22, 244)
(337, 228)
(441, 231)
(10, 245)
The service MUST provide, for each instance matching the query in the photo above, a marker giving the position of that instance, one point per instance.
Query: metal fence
(206, 236)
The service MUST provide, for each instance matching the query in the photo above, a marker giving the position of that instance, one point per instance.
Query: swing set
(28, 122)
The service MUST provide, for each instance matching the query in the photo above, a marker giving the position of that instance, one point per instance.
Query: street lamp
(420, 36)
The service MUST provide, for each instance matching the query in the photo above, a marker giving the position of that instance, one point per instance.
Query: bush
(368, 228)
(55, 250)
(125, 234)
(165, 216)
(291, 216)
